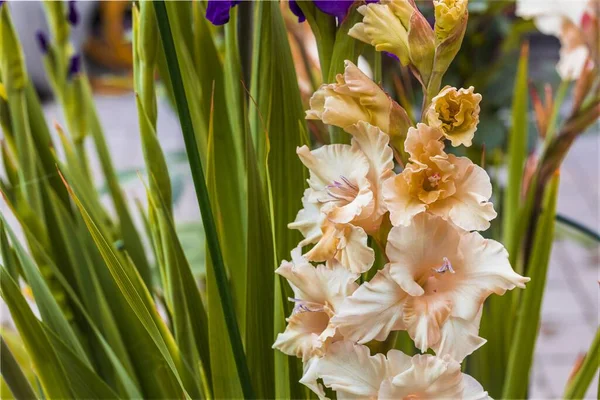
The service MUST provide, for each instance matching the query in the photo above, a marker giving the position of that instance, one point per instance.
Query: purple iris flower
(337, 8)
(217, 11)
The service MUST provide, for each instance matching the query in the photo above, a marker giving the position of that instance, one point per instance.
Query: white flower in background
(344, 201)
(563, 19)
(353, 373)
(318, 291)
(434, 286)
(438, 183)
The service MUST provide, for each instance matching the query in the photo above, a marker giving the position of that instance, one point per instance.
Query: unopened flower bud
(354, 98)
(449, 16)
(456, 113)
(385, 26)
(72, 14)
(42, 40)
(74, 66)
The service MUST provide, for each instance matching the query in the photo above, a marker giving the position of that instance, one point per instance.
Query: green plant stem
(584, 230)
(581, 381)
(203, 199)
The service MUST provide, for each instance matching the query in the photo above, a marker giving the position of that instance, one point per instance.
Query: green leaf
(517, 153)
(212, 238)
(49, 369)
(13, 375)
(579, 383)
(49, 309)
(345, 47)
(528, 316)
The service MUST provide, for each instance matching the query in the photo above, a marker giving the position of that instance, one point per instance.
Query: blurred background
(487, 61)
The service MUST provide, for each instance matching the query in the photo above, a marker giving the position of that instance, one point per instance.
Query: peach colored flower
(434, 286)
(344, 199)
(438, 183)
(353, 373)
(318, 291)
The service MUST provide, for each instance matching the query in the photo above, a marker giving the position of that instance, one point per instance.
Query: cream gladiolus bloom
(434, 286)
(563, 19)
(353, 98)
(344, 201)
(353, 373)
(438, 183)
(318, 291)
(456, 113)
(385, 26)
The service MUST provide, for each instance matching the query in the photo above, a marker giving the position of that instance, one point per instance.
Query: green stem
(208, 221)
(581, 381)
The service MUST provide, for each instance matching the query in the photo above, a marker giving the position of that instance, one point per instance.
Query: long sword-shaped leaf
(49, 369)
(203, 199)
(528, 316)
(13, 374)
(581, 381)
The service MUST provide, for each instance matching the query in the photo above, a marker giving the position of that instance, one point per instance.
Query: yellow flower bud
(385, 26)
(456, 113)
(448, 15)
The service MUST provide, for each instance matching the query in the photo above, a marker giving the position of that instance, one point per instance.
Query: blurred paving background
(570, 311)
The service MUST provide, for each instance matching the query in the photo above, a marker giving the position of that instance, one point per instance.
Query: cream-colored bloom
(448, 15)
(438, 183)
(318, 291)
(434, 287)
(353, 98)
(456, 113)
(563, 19)
(385, 26)
(352, 372)
(344, 199)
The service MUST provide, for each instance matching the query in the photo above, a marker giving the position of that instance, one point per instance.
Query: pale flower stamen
(434, 179)
(344, 190)
(305, 306)
(446, 266)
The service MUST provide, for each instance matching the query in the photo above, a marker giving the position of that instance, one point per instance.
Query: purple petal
(217, 11)
(72, 14)
(391, 55)
(297, 11)
(337, 8)
(74, 66)
(42, 40)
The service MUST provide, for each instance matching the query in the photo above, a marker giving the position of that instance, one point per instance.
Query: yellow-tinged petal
(448, 15)
(383, 28)
(456, 113)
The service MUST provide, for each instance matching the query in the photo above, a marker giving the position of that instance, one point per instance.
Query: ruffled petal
(430, 377)
(372, 311)
(310, 376)
(217, 11)
(301, 336)
(459, 338)
(351, 371)
(472, 390)
(424, 317)
(309, 219)
(469, 207)
(403, 207)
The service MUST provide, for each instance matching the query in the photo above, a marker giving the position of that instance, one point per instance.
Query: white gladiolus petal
(372, 311)
(459, 338)
(351, 371)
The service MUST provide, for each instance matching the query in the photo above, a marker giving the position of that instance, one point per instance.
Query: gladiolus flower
(352, 372)
(438, 183)
(336, 8)
(344, 197)
(353, 98)
(563, 19)
(318, 291)
(448, 15)
(386, 27)
(433, 287)
(456, 112)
